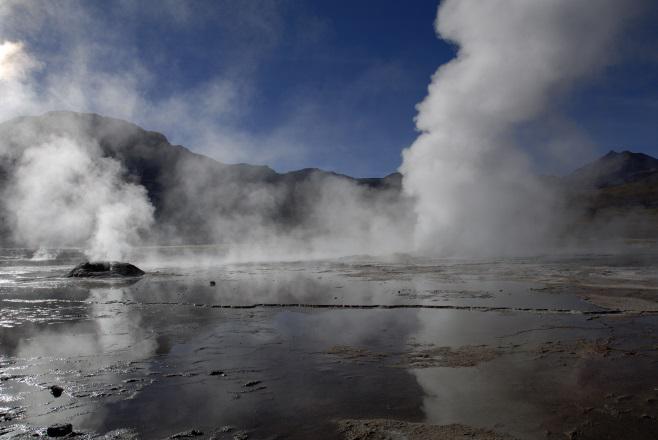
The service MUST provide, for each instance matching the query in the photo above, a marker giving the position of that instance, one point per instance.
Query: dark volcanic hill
(616, 180)
(614, 169)
(614, 196)
(188, 189)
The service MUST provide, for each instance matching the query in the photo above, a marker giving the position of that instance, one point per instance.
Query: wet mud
(543, 348)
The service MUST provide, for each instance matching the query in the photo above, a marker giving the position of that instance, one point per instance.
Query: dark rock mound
(56, 390)
(104, 269)
(59, 430)
(614, 169)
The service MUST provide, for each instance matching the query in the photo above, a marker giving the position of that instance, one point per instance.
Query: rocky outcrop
(105, 269)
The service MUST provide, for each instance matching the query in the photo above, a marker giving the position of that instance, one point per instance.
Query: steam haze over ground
(470, 184)
(341, 220)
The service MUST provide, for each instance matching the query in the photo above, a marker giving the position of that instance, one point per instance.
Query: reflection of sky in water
(115, 331)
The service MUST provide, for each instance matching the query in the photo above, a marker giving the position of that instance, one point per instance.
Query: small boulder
(105, 269)
(59, 430)
(56, 390)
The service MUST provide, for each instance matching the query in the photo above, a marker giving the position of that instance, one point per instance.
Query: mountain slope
(198, 199)
(614, 169)
(616, 196)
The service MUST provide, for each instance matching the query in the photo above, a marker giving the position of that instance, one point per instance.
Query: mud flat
(382, 429)
(360, 348)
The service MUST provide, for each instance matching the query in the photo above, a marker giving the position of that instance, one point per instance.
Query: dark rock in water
(56, 390)
(212, 283)
(59, 430)
(100, 269)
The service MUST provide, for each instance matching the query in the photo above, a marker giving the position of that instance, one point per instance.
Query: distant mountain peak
(614, 168)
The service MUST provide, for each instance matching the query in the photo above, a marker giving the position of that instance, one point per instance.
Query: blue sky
(293, 84)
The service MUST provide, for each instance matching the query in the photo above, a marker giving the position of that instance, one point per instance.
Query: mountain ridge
(613, 168)
(187, 189)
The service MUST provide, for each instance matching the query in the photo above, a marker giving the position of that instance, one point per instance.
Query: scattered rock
(572, 435)
(355, 353)
(464, 356)
(242, 435)
(212, 283)
(119, 434)
(452, 357)
(382, 429)
(187, 434)
(59, 430)
(8, 414)
(56, 390)
(252, 383)
(105, 269)
(217, 373)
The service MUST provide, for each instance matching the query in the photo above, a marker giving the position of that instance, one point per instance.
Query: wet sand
(357, 348)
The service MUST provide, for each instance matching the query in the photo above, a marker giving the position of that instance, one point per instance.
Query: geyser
(475, 190)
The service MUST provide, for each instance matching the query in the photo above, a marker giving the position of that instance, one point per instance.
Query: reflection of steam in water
(501, 393)
(467, 396)
(131, 353)
(253, 284)
(89, 357)
(119, 330)
(115, 330)
(479, 396)
(285, 352)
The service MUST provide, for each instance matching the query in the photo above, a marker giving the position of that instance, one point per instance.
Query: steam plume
(62, 191)
(65, 194)
(474, 187)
